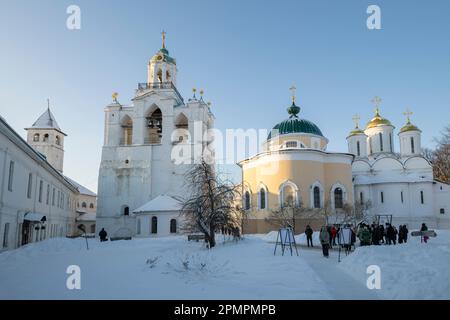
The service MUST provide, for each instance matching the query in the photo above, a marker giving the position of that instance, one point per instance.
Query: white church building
(401, 183)
(141, 177)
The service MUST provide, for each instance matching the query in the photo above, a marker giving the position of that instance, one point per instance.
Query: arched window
(58, 140)
(338, 198)
(83, 205)
(361, 198)
(381, 141)
(127, 131)
(92, 228)
(154, 127)
(262, 198)
(316, 197)
(412, 145)
(358, 149)
(181, 133)
(421, 197)
(288, 195)
(173, 226)
(154, 225)
(291, 144)
(45, 137)
(168, 78)
(126, 211)
(247, 200)
(370, 145)
(36, 137)
(159, 75)
(91, 206)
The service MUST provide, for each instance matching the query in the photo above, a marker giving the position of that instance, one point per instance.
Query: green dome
(295, 125)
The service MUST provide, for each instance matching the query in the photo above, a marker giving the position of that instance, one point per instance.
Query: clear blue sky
(244, 54)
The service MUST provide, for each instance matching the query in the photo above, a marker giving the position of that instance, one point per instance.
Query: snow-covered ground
(243, 270)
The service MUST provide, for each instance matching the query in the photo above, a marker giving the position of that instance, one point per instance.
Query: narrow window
(53, 197)
(247, 200)
(370, 145)
(6, 235)
(91, 206)
(316, 197)
(421, 197)
(30, 185)
(138, 226)
(390, 142)
(41, 186)
(401, 195)
(36, 137)
(358, 149)
(48, 194)
(58, 140)
(11, 175)
(412, 145)
(154, 225)
(382, 197)
(381, 141)
(262, 199)
(442, 211)
(173, 226)
(361, 198)
(83, 205)
(338, 198)
(126, 211)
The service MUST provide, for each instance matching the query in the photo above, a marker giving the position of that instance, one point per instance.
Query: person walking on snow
(405, 233)
(309, 233)
(424, 228)
(324, 240)
(102, 234)
(333, 235)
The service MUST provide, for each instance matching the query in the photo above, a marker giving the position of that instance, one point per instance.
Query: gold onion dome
(378, 121)
(356, 131)
(409, 127)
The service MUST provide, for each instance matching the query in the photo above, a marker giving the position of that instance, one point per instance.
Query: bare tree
(289, 213)
(441, 156)
(211, 205)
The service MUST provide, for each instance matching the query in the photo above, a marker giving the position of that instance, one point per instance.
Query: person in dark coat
(405, 233)
(333, 235)
(102, 234)
(330, 236)
(394, 236)
(400, 234)
(309, 232)
(381, 233)
(390, 234)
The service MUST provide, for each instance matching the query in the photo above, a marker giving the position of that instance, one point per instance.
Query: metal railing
(159, 85)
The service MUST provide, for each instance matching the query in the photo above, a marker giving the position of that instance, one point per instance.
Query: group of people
(379, 234)
(375, 234)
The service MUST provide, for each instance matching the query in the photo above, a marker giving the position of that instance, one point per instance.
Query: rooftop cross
(356, 118)
(163, 33)
(376, 101)
(293, 91)
(114, 96)
(408, 113)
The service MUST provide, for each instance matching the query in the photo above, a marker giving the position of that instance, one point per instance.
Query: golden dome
(355, 132)
(409, 127)
(378, 121)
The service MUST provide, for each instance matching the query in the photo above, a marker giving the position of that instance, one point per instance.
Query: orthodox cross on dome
(114, 96)
(293, 92)
(355, 119)
(376, 101)
(163, 34)
(408, 114)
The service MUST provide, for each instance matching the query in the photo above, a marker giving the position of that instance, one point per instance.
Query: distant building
(401, 183)
(37, 201)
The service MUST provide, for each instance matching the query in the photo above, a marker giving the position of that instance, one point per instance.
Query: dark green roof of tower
(294, 124)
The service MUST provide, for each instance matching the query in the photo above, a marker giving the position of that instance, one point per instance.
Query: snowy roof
(81, 189)
(46, 121)
(160, 203)
(409, 178)
(90, 216)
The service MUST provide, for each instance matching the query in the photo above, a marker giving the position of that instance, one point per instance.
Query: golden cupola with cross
(410, 137)
(379, 132)
(357, 140)
(162, 68)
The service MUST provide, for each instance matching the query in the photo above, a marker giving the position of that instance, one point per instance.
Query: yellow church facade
(294, 171)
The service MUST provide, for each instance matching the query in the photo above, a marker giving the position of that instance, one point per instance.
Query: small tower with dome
(410, 138)
(357, 140)
(379, 132)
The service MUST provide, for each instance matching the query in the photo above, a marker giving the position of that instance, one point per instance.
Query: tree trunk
(212, 237)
